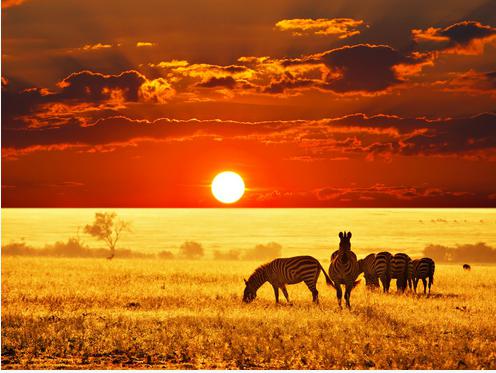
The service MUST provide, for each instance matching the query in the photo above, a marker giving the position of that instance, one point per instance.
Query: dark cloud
(456, 136)
(365, 68)
(379, 135)
(466, 37)
(222, 82)
(80, 92)
(94, 87)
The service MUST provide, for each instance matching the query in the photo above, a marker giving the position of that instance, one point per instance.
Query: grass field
(89, 313)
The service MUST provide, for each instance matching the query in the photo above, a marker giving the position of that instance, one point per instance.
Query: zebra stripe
(344, 269)
(423, 269)
(366, 266)
(399, 270)
(285, 271)
(382, 269)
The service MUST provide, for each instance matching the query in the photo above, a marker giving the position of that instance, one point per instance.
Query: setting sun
(228, 187)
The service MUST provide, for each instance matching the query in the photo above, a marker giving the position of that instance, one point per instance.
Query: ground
(97, 314)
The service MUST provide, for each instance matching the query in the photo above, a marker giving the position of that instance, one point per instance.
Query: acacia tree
(107, 228)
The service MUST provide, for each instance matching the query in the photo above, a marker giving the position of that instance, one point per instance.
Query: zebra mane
(260, 270)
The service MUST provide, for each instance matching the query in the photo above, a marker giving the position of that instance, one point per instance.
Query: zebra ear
(340, 234)
(245, 281)
(349, 235)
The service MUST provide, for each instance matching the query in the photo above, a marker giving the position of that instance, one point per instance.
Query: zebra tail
(432, 273)
(328, 279)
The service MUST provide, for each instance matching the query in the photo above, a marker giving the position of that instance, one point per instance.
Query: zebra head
(250, 293)
(344, 243)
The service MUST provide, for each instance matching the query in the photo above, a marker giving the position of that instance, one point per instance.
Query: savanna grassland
(124, 313)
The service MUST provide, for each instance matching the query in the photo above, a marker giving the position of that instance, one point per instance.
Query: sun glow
(228, 187)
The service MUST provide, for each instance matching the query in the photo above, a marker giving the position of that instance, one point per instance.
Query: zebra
(467, 267)
(382, 269)
(285, 271)
(344, 269)
(399, 270)
(366, 266)
(423, 269)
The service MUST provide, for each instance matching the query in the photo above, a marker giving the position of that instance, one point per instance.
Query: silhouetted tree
(107, 228)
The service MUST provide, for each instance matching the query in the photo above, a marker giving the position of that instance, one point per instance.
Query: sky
(314, 103)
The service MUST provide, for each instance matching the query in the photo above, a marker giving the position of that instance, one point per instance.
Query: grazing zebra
(399, 270)
(366, 266)
(344, 268)
(423, 269)
(382, 269)
(282, 271)
(467, 267)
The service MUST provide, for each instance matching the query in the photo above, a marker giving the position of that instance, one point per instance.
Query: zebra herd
(344, 270)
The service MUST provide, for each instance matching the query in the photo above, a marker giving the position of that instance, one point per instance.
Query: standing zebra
(282, 271)
(382, 269)
(366, 266)
(344, 268)
(399, 270)
(423, 269)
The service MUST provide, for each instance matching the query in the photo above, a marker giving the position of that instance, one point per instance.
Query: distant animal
(285, 271)
(344, 268)
(423, 269)
(382, 269)
(366, 266)
(399, 270)
(467, 267)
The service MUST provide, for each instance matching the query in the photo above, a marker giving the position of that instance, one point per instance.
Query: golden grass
(88, 313)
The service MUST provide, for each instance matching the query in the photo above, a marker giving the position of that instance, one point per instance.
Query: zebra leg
(424, 281)
(415, 283)
(285, 292)
(347, 294)
(383, 282)
(339, 294)
(276, 293)
(388, 284)
(430, 283)
(313, 289)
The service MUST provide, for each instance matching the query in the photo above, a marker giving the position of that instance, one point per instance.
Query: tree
(107, 228)
(191, 250)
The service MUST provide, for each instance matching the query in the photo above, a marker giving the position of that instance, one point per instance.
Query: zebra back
(423, 268)
(399, 266)
(382, 264)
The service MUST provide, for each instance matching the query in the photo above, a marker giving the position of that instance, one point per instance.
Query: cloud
(368, 68)
(471, 82)
(94, 47)
(343, 27)
(466, 37)
(81, 95)
(354, 135)
(362, 69)
(365, 196)
(140, 44)
(221, 82)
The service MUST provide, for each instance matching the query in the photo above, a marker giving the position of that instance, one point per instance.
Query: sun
(228, 187)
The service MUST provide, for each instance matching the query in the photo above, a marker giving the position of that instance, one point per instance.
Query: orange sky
(342, 103)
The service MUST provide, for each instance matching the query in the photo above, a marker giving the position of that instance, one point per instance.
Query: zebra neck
(343, 254)
(258, 279)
